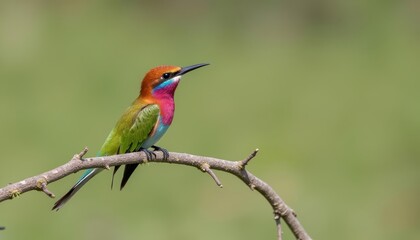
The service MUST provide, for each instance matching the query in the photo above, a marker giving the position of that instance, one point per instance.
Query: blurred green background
(328, 90)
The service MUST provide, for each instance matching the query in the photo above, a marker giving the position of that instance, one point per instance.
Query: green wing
(132, 138)
(131, 130)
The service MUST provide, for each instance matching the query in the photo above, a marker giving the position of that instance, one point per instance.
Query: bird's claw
(149, 154)
(164, 151)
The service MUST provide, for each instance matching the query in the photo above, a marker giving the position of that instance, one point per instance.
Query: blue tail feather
(87, 175)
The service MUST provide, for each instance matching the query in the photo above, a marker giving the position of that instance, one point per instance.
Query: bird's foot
(164, 151)
(149, 154)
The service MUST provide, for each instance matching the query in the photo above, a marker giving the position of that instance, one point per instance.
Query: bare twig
(80, 155)
(237, 168)
(42, 185)
(206, 168)
(244, 162)
(277, 219)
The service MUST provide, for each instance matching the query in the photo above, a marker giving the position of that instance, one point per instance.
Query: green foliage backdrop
(328, 90)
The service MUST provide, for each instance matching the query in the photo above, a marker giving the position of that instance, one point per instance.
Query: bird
(142, 124)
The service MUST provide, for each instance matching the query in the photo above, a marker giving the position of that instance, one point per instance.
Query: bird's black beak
(184, 70)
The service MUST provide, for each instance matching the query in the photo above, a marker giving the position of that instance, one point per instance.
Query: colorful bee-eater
(142, 124)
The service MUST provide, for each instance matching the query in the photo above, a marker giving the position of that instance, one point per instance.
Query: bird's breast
(167, 110)
(166, 115)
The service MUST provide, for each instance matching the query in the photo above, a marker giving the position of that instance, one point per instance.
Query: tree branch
(205, 164)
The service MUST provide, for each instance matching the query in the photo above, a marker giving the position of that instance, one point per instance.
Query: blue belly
(161, 129)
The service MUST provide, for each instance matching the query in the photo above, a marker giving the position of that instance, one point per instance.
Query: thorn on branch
(42, 185)
(206, 168)
(244, 162)
(81, 154)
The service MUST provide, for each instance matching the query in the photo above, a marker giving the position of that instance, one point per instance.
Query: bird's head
(163, 80)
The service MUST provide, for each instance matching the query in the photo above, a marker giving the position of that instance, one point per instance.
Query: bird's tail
(90, 173)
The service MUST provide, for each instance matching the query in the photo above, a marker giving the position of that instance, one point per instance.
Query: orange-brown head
(163, 80)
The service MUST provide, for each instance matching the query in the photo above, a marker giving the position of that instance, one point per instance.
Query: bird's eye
(166, 75)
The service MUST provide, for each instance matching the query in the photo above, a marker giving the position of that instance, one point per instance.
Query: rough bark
(205, 164)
